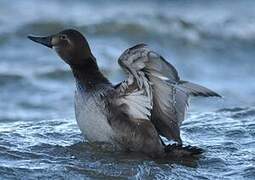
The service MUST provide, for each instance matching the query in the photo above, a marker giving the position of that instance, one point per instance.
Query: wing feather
(154, 90)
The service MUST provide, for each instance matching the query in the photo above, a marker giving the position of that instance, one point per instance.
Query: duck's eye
(62, 37)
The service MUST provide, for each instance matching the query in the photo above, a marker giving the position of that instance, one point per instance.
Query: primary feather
(156, 90)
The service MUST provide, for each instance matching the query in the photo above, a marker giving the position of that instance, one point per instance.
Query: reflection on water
(211, 46)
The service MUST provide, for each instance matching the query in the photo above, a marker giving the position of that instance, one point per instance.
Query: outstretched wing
(135, 92)
(158, 81)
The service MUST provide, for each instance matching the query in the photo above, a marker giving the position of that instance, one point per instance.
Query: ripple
(57, 144)
(236, 133)
(249, 172)
(244, 113)
(37, 143)
(234, 109)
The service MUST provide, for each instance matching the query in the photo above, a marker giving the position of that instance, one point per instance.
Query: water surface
(211, 43)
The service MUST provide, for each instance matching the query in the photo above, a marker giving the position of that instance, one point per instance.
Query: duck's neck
(88, 75)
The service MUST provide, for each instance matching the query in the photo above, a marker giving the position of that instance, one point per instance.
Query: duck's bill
(46, 40)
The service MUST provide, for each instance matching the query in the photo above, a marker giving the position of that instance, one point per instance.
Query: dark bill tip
(46, 41)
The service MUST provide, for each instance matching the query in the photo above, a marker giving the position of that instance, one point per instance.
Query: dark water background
(211, 43)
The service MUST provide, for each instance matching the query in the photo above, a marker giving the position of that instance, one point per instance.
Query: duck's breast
(91, 116)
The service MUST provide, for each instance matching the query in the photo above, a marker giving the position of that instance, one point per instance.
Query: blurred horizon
(210, 46)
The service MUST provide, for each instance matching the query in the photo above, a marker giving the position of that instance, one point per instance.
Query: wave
(62, 74)
(55, 74)
(181, 21)
(33, 147)
(171, 28)
(238, 112)
(10, 78)
(174, 28)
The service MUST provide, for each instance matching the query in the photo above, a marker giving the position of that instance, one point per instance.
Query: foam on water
(31, 148)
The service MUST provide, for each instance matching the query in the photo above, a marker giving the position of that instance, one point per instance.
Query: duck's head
(69, 44)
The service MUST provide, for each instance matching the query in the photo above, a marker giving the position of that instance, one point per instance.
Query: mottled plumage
(166, 93)
(133, 114)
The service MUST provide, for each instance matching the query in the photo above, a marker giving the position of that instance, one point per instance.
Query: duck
(137, 114)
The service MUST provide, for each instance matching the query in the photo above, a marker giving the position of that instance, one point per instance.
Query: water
(211, 43)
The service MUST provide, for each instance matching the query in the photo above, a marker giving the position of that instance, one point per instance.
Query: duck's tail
(179, 151)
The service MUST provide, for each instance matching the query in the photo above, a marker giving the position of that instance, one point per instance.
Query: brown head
(69, 44)
(74, 49)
